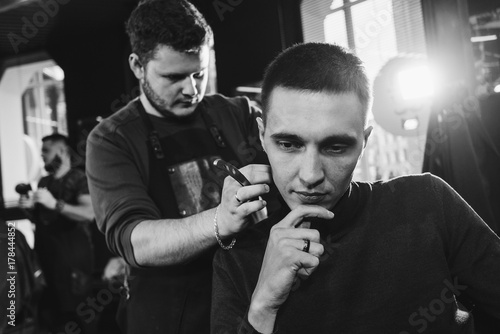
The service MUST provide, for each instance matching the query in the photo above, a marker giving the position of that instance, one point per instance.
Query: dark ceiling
(29, 26)
(32, 25)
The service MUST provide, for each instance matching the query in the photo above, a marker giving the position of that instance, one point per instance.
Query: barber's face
(175, 82)
(313, 141)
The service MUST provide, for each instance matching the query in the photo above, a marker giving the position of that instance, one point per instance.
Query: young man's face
(175, 82)
(313, 141)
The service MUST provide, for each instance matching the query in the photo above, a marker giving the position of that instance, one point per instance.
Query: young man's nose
(311, 171)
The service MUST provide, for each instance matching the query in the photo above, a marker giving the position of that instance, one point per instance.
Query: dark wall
(248, 35)
(90, 44)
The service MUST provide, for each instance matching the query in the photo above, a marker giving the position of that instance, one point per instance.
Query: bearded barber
(156, 194)
(62, 210)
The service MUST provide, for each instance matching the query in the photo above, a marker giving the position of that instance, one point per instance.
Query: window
(378, 31)
(33, 106)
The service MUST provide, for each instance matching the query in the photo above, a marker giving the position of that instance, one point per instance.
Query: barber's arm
(173, 241)
(81, 211)
(283, 261)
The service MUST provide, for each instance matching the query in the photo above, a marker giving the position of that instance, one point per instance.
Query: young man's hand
(284, 260)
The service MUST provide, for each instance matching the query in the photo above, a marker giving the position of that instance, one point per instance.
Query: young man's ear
(260, 123)
(367, 134)
(136, 66)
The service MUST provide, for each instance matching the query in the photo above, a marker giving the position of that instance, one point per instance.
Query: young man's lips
(310, 197)
(189, 103)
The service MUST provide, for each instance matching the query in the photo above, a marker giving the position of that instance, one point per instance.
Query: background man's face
(49, 151)
(52, 154)
(175, 82)
(313, 141)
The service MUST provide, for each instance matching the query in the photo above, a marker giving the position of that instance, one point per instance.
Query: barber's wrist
(224, 232)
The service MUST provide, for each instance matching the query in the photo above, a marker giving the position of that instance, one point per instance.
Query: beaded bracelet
(217, 236)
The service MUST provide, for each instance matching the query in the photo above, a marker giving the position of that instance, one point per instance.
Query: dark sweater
(396, 255)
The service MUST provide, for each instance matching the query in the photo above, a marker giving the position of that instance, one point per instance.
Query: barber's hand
(234, 210)
(284, 260)
(45, 198)
(26, 202)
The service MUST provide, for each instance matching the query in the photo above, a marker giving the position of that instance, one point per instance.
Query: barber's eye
(175, 78)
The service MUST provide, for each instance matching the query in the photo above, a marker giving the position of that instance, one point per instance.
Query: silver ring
(307, 243)
(237, 199)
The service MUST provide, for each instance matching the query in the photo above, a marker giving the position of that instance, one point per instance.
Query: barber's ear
(136, 66)
(260, 123)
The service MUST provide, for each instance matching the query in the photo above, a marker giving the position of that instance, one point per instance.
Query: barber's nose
(311, 172)
(189, 88)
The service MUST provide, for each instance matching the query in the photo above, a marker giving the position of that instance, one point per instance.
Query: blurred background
(435, 65)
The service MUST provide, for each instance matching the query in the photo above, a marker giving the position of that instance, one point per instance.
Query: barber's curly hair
(175, 23)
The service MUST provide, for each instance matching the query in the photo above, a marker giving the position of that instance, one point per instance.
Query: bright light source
(416, 83)
(410, 124)
(497, 88)
(55, 72)
(477, 39)
(244, 89)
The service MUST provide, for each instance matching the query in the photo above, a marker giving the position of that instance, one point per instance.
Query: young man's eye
(335, 149)
(199, 75)
(288, 146)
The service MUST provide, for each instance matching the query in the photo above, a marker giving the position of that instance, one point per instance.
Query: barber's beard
(156, 101)
(54, 165)
(160, 105)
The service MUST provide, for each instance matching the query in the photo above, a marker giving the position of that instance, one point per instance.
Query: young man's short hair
(175, 23)
(317, 67)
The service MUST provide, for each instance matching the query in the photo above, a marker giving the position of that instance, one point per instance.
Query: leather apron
(182, 182)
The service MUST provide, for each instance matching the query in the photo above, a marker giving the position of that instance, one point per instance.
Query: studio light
(477, 39)
(416, 83)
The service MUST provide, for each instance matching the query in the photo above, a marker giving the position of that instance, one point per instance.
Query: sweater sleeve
(472, 250)
(118, 185)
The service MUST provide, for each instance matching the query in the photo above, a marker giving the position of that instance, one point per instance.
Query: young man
(155, 192)
(62, 211)
(380, 257)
